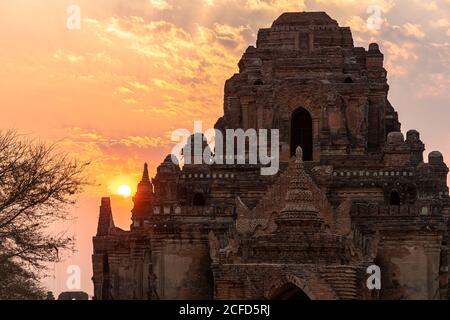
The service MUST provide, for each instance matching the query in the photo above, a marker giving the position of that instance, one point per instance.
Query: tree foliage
(37, 185)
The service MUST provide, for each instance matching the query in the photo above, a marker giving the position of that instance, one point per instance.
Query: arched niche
(394, 198)
(198, 200)
(301, 133)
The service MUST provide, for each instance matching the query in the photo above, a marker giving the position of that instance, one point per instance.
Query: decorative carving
(214, 247)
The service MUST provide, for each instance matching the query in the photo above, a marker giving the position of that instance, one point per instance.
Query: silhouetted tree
(37, 184)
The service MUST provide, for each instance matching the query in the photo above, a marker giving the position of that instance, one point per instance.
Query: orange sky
(113, 91)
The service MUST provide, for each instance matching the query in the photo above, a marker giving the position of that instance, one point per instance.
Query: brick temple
(352, 191)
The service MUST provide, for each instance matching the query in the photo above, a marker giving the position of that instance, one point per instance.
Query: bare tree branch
(37, 184)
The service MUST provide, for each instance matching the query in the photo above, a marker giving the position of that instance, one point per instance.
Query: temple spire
(145, 187)
(145, 176)
(143, 198)
(105, 219)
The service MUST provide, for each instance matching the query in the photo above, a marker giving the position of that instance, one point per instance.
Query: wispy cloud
(414, 30)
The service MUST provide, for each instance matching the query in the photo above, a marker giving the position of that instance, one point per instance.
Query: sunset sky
(114, 90)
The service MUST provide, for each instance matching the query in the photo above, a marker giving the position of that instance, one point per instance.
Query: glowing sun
(124, 190)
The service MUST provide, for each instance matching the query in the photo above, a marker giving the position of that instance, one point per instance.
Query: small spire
(105, 219)
(299, 154)
(299, 197)
(144, 187)
(145, 176)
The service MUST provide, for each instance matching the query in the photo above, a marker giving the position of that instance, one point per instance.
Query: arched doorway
(301, 133)
(394, 198)
(198, 200)
(290, 292)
